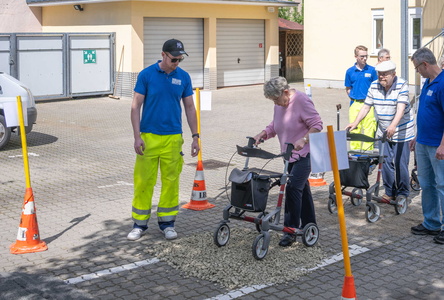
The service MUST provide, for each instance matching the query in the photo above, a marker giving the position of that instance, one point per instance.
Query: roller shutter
(187, 30)
(240, 52)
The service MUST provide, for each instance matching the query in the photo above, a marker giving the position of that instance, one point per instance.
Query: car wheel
(5, 132)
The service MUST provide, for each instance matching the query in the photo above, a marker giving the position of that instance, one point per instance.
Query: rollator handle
(289, 150)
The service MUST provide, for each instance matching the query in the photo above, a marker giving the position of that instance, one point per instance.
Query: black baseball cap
(175, 47)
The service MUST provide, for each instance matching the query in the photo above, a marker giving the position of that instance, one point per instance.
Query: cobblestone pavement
(81, 161)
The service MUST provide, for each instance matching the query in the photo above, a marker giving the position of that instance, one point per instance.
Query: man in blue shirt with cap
(156, 117)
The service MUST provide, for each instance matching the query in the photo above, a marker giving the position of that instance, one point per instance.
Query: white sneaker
(170, 233)
(135, 234)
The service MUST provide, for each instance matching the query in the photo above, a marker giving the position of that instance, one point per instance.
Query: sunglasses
(175, 60)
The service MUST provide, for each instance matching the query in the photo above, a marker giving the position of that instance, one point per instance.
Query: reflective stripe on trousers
(164, 151)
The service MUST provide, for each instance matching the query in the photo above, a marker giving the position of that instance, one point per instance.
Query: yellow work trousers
(367, 126)
(164, 151)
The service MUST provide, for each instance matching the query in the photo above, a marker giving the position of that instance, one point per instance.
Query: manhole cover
(211, 164)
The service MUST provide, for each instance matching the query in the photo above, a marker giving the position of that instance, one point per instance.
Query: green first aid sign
(89, 56)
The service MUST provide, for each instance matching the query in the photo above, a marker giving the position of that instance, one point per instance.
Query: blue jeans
(431, 179)
(299, 207)
(395, 170)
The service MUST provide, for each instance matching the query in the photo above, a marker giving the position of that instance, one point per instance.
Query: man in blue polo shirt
(159, 91)
(357, 82)
(429, 145)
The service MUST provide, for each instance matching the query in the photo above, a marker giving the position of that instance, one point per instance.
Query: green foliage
(292, 14)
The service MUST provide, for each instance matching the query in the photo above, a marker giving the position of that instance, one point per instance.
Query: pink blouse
(292, 123)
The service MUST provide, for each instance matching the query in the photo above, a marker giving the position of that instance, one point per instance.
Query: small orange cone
(28, 237)
(348, 290)
(317, 179)
(199, 194)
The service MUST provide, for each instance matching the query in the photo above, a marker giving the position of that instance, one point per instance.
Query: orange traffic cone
(199, 194)
(317, 179)
(28, 237)
(348, 290)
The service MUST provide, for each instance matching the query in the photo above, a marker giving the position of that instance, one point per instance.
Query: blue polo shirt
(430, 116)
(161, 111)
(359, 81)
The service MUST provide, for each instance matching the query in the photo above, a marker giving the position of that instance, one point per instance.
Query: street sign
(89, 57)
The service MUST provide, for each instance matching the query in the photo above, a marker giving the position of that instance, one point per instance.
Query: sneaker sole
(438, 241)
(425, 232)
(171, 238)
(135, 239)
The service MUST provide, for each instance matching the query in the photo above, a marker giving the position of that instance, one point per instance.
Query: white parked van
(10, 88)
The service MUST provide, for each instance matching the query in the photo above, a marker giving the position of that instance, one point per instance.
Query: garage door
(41, 64)
(240, 52)
(4, 54)
(189, 31)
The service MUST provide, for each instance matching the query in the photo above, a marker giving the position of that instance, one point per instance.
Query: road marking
(110, 271)
(19, 155)
(116, 184)
(353, 250)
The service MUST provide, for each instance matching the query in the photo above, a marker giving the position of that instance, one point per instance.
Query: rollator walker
(249, 193)
(356, 177)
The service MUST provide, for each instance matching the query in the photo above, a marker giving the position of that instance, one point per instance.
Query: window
(415, 34)
(378, 30)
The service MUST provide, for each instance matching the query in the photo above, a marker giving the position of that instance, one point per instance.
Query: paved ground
(81, 162)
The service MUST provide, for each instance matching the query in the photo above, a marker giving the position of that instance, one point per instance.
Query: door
(240, 52)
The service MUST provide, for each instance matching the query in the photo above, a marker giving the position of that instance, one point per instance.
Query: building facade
(229, 42)
(333, 28)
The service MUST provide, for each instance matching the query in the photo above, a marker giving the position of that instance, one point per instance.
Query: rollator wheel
(355, 200)
(332, 208)
(310, 234)
(401, 204)
(372, 212)
(414, 185)
(258, 251)
(221, 235)
(261, 215)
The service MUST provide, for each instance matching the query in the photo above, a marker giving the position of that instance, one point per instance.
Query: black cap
(175, 47)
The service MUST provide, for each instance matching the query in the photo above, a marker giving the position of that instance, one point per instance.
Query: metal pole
(404, 40)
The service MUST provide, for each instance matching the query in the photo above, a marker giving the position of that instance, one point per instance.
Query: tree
(292, 14)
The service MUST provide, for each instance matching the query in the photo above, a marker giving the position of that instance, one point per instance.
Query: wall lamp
(78, 7)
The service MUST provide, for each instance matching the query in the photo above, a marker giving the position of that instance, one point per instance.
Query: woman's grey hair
(274, 87)
(424, 55)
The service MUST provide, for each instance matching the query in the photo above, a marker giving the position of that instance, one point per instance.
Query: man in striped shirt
(389, 95)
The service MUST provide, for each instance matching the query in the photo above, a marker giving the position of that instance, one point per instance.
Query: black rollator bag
(356, 175)
(249, 190)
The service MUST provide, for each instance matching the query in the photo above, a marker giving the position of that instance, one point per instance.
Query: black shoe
(287, 240)
(439, 238)
(421, 230)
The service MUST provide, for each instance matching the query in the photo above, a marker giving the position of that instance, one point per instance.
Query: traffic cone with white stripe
(28, 237)
(199, 194)
(317, 179)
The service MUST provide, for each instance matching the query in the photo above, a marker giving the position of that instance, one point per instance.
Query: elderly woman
(295, 117)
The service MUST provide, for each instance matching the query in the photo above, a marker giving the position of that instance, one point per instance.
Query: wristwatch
(305, 140)
(195, 135)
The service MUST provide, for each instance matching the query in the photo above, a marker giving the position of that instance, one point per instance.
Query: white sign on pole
(11, 114)
(205, 100)
(320, 152)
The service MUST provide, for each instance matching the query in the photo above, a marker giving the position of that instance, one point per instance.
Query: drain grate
(211, 164)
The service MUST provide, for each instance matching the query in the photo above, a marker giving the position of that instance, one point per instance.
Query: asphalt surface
(81, 161)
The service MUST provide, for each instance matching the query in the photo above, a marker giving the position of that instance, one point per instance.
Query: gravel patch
(233, 265)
